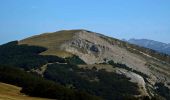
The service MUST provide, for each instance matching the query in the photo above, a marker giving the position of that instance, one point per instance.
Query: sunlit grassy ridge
(52, 41)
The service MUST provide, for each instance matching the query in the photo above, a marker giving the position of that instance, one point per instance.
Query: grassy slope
(52, 41)
(138, 49)
(11, 92)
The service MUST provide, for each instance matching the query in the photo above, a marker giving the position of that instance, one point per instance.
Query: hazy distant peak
(152, 44)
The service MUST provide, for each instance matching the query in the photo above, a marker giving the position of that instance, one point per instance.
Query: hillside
(84, 61)
(17, 68)
(51, 41)
(155, 45)
(96, 48)
(11, 92)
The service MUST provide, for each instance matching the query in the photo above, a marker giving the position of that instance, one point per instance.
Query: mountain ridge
(79, 42)
(155, 45)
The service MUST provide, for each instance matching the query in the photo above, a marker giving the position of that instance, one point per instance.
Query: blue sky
(117, 18)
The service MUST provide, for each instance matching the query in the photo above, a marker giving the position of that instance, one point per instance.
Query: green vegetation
(127, 68)
(36, 86)
(75, 60)
(24, 56)
(109, 85)
(27, 57)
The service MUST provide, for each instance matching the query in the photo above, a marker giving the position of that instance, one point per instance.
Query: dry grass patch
(11, 92)
(51, 41)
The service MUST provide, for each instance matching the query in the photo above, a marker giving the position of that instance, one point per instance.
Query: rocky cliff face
(89, 46)
(95, 48)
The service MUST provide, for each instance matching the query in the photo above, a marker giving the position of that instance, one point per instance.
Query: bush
(39, 87)
(75, 60)
(24, 56)
(108, 85)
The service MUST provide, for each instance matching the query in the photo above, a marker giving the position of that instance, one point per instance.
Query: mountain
(79, 60)
(155, 45)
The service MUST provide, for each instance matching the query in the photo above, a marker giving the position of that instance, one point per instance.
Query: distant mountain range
(151, 44)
